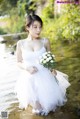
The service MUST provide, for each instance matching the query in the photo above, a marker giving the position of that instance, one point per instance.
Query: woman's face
(35, 29)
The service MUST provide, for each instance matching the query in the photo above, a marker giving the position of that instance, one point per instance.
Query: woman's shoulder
(45, 40)
(20, 42)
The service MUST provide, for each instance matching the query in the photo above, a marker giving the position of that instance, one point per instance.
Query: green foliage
(48, 11)
(71, 25)
(6, 6)
(30, 7)
(26, 7)
(2, 31)
(66, 27)
(13, 3)
(21, 8)
(16, 24)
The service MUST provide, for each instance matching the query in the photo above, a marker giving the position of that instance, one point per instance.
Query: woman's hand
(54, 72)
(32, 69)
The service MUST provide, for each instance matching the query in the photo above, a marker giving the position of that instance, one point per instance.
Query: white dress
(41, 86)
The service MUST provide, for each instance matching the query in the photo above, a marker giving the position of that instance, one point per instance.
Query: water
(8, 100)
(7, 96)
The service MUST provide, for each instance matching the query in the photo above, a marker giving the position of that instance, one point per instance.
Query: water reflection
(7, 96)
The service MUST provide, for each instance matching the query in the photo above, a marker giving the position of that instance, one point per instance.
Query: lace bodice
(32, 56)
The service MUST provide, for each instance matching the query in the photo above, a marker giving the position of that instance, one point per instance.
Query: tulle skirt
(42, 86)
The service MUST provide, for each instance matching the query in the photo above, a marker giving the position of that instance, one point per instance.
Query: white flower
(49, 52)
(44, 54)
(50, 58)
(51, 61)
(44, 57)
(47, 59)
(53, 56)
(48, 55)
(44, 61)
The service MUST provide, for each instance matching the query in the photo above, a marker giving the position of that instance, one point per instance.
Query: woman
(37, 86)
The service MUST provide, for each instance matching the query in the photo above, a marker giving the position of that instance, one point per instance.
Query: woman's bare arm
(47, 45)
(48, 48)
(21, 64)
(19, 55)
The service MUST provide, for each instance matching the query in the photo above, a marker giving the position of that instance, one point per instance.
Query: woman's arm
(19, 56)
(47, 45)
(48, 48)
(21, 64)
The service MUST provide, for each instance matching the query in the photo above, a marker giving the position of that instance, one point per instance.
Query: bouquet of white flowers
(48, 60)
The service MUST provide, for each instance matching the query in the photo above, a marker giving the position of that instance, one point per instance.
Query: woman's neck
(30, 38)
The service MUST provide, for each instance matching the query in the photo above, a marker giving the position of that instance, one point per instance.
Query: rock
(2, 40)
(12, 53)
